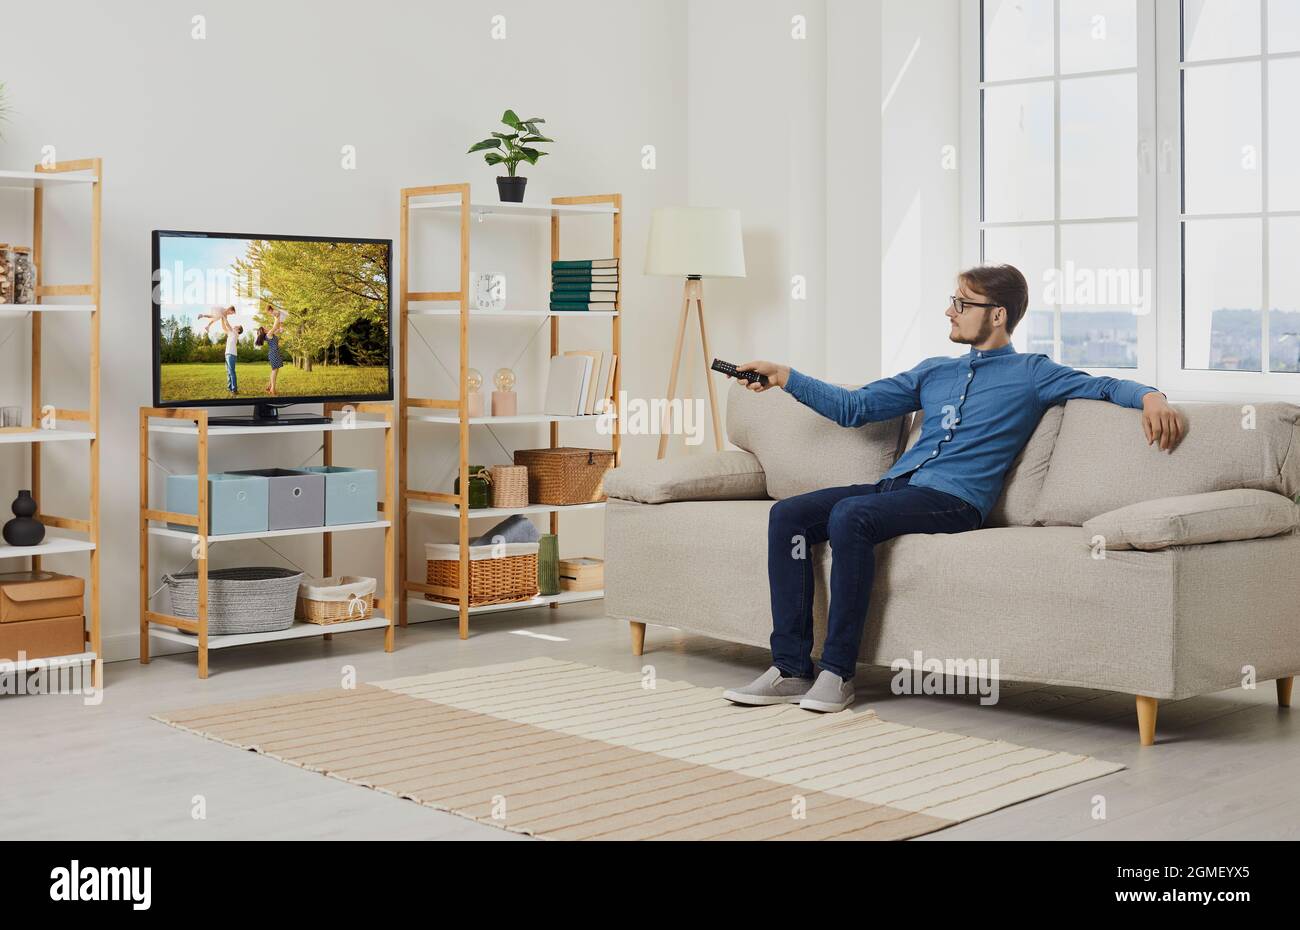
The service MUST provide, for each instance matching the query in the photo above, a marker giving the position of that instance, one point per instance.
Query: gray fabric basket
(240, 600)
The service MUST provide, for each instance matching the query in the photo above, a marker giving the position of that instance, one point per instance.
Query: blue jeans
(232, 383)
(853, 520)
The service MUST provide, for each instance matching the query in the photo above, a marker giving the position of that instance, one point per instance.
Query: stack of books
(584, 285)
(580, 383)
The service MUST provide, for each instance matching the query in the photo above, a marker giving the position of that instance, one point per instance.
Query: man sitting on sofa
(979, 412)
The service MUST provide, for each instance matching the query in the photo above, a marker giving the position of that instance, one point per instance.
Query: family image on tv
(253, 319)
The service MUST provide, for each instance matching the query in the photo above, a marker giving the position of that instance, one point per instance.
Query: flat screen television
(270, 321)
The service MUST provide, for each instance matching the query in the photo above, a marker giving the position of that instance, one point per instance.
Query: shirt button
(934, 453)
(956, 421)
(969, 376)
(963, 397)
(949, 436)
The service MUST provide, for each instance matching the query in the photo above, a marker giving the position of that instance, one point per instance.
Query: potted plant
(509, 149)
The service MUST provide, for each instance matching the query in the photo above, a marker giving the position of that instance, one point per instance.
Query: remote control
(730, 371)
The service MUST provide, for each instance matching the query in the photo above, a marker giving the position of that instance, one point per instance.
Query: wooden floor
(1224, 767)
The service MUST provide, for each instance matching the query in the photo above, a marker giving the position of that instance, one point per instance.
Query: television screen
(242, 319)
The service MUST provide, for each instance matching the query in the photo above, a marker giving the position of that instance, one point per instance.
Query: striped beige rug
(568, 751)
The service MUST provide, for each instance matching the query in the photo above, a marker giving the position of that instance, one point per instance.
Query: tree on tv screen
(334, 295)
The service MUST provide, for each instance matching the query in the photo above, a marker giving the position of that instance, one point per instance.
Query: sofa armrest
(1196, 519)
(718, 476)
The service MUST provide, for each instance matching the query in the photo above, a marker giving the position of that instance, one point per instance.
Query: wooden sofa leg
(638, 637)
(1284, 691)
(1146, 708)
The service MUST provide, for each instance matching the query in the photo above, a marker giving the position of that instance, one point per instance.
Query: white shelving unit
(155, 524)
(455, 200)
(515, 314)
(46, 435)
(24, 309)
(69, 176)
(564, 597)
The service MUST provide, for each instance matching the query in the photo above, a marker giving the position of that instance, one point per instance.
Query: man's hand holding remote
(777, 375)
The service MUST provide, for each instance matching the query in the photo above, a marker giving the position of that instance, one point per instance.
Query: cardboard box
(582, 574)
(41, 639)
(39, 596)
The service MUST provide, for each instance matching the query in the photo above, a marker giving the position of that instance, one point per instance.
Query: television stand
(270, 415)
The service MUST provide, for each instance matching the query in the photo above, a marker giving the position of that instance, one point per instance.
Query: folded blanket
(514, 529)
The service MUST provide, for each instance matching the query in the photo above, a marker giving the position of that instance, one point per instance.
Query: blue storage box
(236, 503)
(351, 494)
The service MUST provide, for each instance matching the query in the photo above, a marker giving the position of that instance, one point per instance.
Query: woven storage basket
(509, 485)
(496, 575)
(566, 476)
(336, 600)
(240, 600)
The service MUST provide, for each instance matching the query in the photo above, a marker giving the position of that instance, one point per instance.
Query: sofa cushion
(716, 476)
(1018, 504)
(802, 451)
(1102, 461)
(1219, 516)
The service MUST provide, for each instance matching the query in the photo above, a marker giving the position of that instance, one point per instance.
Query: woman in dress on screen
(272, 340)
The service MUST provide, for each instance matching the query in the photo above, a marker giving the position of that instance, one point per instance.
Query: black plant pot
(23, 530)
(511, 189)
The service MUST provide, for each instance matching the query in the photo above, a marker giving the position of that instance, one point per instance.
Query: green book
(587, 264)
(584, 287)
(581, 297)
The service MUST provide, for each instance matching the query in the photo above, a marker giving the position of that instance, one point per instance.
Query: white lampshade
(704, 241)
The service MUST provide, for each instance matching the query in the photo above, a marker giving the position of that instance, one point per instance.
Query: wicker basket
(336, 600)
(509, 485)
(497, 575)
(240, 600)
(566, 476)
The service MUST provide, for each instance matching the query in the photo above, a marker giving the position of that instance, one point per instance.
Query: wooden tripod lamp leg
(1284, 691)
(677, 364)
(708, 361)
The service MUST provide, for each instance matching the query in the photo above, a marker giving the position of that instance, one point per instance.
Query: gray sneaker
(771, 687)
(830, 694)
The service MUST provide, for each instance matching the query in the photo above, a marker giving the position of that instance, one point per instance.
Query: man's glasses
(960, 304)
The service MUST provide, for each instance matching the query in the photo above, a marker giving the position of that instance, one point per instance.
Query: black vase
(23, 529)
(511, 189)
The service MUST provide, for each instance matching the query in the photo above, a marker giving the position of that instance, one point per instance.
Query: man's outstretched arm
(1059, 383)
(879, 400)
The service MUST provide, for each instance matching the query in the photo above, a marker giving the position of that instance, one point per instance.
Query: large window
(1062, 190)
(1138, 163)
(1240, 214)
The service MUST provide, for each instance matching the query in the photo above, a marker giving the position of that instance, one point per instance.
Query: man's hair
(1003, 285)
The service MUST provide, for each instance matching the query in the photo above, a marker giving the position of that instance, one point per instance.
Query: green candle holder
(479, 494)
(548, 564)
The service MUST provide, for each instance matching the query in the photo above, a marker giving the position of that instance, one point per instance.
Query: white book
(602, 383)
(565, 384)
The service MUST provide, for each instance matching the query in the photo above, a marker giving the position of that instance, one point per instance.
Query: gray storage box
(296, 499)
(351, 494)
(236, 503)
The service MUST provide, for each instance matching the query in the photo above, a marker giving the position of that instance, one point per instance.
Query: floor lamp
(694, 243)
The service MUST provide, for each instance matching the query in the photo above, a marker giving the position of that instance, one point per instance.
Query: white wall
(243, 130)
(756, 118)
(920, 177)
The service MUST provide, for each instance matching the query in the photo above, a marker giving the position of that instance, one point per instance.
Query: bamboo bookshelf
(456, 199)
(47, 421)
(155, 523)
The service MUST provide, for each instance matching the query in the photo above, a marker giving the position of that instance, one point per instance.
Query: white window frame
(1195, 384)
(973, 175)
(1160, 186)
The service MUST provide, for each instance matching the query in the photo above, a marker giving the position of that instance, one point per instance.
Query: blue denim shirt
(980, 410)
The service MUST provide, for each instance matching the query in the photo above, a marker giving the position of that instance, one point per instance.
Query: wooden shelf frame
(388, 603)
(457, 200)
(68, 175)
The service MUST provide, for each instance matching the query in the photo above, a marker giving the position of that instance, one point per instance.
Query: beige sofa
(1105, 564)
